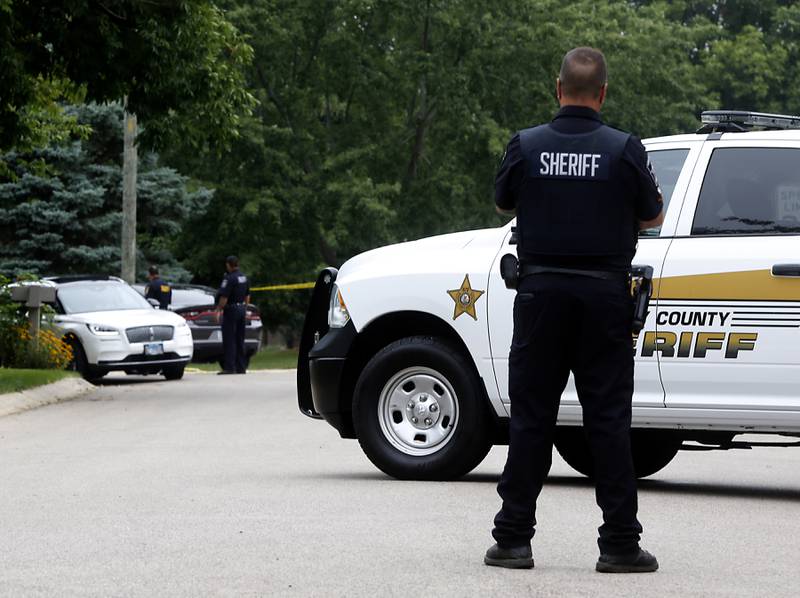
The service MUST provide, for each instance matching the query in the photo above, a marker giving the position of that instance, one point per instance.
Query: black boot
(637, 562)
(519, 557)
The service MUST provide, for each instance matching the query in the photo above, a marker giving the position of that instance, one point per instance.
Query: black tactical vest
(573, 201)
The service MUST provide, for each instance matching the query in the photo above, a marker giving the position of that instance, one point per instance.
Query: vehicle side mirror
(154, 303)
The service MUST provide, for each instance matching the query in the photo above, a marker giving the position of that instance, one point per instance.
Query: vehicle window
(667, 165)
(182, 298)
(84, 297)
(750, 191)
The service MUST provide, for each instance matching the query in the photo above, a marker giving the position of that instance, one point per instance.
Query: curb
(63, 390)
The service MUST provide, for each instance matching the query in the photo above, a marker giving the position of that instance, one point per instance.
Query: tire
(81, 364)
(173, 372)
(652, 450)
(426, 379)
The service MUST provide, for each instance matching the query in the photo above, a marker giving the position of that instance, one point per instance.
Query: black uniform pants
(233, 326)
(582, 324)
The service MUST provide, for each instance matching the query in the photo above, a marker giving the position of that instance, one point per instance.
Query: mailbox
(33, 295)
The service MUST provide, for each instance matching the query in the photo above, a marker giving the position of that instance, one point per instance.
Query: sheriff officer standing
(157, 289)
(581, 191)
(233, 297)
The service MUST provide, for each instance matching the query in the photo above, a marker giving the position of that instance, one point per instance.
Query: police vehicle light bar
(738, 120)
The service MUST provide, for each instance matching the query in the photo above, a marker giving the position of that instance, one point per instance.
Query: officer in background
(581, 191)
(233, 297)
(157, 289)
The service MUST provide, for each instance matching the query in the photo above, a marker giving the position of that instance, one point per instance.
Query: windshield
(84, 297)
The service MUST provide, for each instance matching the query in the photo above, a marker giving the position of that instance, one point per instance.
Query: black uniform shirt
(639, 178)
(235, 287)
(160, 291)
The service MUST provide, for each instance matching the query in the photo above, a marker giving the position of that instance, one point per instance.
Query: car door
(728, 312)
(672, 162)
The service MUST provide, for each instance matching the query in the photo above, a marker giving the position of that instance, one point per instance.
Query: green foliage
(66, 217)
(179, 63)
(385, 121)
(12, 318)
(364, 122)
(269, 358)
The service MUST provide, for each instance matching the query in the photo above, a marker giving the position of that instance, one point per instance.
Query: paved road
(218, 486)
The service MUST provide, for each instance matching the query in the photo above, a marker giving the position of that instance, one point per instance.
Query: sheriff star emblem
(465, 298)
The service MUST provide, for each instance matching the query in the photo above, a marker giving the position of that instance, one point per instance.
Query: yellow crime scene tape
(284, 287)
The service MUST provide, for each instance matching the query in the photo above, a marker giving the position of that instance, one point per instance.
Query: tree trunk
(424, 115)
(129, 165)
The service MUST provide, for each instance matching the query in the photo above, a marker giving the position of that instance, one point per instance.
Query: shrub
(49, 353)
(17, 348)
(12, 318)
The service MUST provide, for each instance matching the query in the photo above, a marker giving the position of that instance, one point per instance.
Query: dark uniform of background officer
(158, 289)
(233, 297)
(581, 191)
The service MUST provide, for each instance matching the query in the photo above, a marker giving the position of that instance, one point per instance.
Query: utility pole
(129, 164)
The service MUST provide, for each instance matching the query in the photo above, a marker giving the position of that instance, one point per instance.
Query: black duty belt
(528, 269)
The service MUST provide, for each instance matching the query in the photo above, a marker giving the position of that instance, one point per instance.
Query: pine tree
(60, 208)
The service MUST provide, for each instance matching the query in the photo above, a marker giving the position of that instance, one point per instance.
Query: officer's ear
(603, 90)
(558, 89)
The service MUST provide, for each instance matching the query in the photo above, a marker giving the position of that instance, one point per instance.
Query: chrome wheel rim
(418, 411)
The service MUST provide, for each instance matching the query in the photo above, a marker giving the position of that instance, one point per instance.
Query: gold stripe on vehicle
(750, 285)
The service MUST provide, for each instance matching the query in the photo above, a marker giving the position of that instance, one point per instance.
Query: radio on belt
(641, 289)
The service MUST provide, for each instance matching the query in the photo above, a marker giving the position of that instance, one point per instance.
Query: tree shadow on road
(664, 487)
(565, 481)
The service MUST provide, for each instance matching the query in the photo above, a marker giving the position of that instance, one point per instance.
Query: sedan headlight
(102, 330)
(338, 316)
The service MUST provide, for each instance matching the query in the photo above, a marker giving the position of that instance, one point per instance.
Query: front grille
(148, 334)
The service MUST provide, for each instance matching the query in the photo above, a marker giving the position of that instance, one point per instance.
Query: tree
(179, 63)
(385, 121)
(396, 114)
(60, 209)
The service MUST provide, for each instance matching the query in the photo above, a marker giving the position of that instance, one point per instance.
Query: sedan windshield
(82, 297)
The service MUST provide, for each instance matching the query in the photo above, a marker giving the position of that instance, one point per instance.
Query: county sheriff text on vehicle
(406, 347)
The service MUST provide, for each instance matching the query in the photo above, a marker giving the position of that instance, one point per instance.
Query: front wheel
(173, 372)
(652, 450)
(419, 413)
(80, 363)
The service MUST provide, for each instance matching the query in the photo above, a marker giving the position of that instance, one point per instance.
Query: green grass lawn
(269, 358)
(13, 380)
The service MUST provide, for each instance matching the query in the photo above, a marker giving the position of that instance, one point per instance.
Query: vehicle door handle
(786, 270)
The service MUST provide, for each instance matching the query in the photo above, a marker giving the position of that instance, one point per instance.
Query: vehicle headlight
(102, 330)
(338, 316)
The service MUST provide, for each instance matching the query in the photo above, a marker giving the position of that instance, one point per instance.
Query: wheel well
(72, 339)
(379, 333)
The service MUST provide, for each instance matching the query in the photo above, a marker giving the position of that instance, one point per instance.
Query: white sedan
(112, 327)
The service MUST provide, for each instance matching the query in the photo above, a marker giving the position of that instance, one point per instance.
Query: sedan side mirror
(154, 303)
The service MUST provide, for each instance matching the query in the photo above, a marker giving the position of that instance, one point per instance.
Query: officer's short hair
(232, 261)
(583, 73)
(153, 270)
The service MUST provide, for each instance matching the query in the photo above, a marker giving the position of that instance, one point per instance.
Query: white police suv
(112, 327)
(406, 347)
